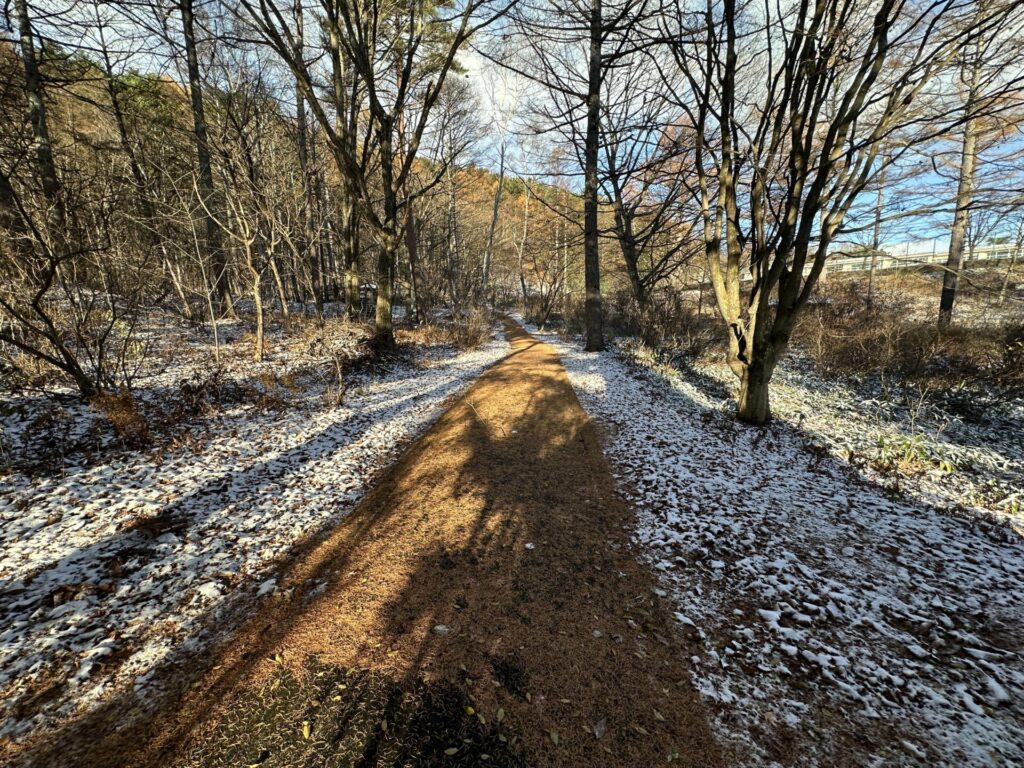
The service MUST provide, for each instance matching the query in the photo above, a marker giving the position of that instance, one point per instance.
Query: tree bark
(964, 200)
(214, 241)
(753, 407)
(384, 335)
(411, 249)
(591, 247)
(453, 246)
(42, 148)
(279, 284)
(489, 251)
(257, 298)
(310, 246)
(350, 251)
(876, 236)
(522, 249)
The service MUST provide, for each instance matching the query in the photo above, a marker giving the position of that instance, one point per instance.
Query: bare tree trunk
(752, 407)
(565, 277)
(1011, 265)
(384, 335)
(700, 289)
(876, 236)
(257, 298)
(42, 148)
(453, 246)
(214, 242)
(350, 250)
(591, 247)
(310, 249)
(411, 248)
(279, 284)
(179, 288)
(522, 249)
(964, 200)
(489, 251)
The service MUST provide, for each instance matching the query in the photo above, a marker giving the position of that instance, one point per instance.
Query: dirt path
(480, 606)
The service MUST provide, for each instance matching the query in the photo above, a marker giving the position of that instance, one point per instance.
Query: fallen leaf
(600, 727)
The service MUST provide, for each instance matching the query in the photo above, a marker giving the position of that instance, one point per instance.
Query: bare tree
(568, 48)
(401, 56)
(789, 136)
(204, 173)
(988, 81)
(503, 92)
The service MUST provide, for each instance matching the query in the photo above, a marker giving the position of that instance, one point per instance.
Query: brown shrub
(426, 335)
(1011, 371)
(471, 330)
(466, 331)
(845, 337)
(122, 410)
(670, 322)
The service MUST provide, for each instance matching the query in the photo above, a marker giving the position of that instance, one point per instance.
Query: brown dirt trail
(481, 605)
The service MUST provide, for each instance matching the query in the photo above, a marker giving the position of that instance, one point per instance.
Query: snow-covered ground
(109, 567)
(840, 620)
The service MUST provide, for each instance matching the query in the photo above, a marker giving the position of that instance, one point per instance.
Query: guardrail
(920, 259)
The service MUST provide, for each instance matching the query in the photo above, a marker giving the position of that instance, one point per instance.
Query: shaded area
(328, 716)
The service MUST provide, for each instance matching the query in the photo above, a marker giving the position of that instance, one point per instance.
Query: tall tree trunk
(591, 248)
(876, 236)
(214, 242)
(522, 250)
(384, 335)
(257, 298)
(350, 251)
(964, 201)
(411, 249)
(282, 298)
(453, 246)
(310, 249)
(42, 148)
(489, 250)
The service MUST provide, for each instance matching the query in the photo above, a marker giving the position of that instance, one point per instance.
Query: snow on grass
(112, 567)
(838, 621)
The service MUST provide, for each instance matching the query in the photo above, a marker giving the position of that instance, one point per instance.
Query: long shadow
(38, 455)
(186, 512)
(491, 560)
(134, 553)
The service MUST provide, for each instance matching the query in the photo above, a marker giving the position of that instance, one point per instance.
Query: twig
(503, 432)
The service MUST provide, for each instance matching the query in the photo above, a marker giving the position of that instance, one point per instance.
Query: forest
(348, 348)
